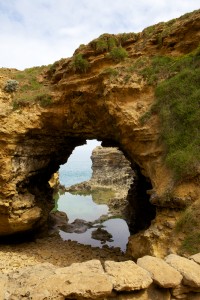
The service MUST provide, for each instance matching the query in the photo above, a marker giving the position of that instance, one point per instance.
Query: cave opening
(92, 214)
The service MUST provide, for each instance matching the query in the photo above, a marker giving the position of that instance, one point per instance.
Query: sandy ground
(53, 250)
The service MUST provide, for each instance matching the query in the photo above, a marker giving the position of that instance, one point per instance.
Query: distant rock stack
(111, 168)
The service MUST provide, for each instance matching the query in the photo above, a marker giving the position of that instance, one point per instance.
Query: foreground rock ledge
(88, 280)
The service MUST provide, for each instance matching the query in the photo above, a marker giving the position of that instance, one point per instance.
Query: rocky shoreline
(45, 272)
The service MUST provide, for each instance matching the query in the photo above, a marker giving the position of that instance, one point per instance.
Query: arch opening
(90, 217)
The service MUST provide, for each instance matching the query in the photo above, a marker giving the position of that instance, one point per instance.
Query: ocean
(76, 170)
(78, 166)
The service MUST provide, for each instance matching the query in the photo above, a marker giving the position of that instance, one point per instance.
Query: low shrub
(189, 225)
(11, 86)
(178, 107)
(80, 64)
(118, 54)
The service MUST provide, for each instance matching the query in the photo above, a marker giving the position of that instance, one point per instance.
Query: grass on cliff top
(189, 224)
(31, 90)
(178, 106)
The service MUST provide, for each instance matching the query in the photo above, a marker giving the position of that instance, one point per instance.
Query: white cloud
(42, 31)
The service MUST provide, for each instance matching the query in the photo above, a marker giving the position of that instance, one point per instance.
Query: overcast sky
(39, 32)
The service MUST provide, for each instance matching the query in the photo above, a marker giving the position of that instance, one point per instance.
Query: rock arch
(35, 140)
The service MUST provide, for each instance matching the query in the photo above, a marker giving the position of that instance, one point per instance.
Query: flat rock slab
(86, 280)
(162, 273)
(78, 281)
(127, 276)
(188, 269)
(196, 258)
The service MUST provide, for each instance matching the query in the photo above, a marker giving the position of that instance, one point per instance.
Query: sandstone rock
(36, 140)
(196, 258)
(112, 162)
(3, 286)
(183, 291)
(151, 293)
(127, 276)
(161, 273)
(189, 269)
(85, 280)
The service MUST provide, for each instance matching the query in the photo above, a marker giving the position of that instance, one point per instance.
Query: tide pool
(90, 207)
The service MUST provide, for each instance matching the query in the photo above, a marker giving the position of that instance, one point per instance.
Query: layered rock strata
(110, 168)
(92, 104)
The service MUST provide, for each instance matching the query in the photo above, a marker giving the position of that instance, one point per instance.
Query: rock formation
(89, 101)
(110, 171)
(110, 168)
(151, 278)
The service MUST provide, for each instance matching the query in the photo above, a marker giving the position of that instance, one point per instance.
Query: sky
(39, 32)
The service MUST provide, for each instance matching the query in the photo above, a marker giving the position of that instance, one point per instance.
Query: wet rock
(188, 269)
(127, 276)
(78, 226)
(161, 273)
(58, 219)
(102, 235)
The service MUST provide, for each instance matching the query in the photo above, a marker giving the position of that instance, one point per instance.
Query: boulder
(161, 273)
(127, 276)
(152, 293)
(80, 280)
(83, 280)
(196, 258)
(188, 269)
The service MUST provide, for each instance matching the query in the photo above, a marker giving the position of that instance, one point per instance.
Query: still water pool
(84, 208)
(90, 208)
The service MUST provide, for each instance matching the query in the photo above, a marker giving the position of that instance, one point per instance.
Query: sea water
(76, 170)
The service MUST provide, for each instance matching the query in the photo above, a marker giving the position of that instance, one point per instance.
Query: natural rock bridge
(36, 140)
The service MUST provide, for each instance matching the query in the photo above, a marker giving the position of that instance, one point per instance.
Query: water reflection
(102, 229)
(81, 207)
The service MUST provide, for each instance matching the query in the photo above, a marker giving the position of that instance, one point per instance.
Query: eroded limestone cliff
(99, 99)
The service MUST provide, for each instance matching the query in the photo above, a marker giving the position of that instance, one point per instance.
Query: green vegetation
(80, 64)
(178, 105)
(11, 86)
(118, 54)
(111, 71)
(189, 224)
(31, 90)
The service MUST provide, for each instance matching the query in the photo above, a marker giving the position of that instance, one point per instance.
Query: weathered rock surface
(196, 258)
(88, 280)
(36, 140)
(188, 269)
(185, 292)
(151, 293)
(162, 274)
(111, 168)
(127, 276)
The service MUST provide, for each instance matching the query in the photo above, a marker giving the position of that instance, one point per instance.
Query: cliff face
(111, 168)
(100, 100)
